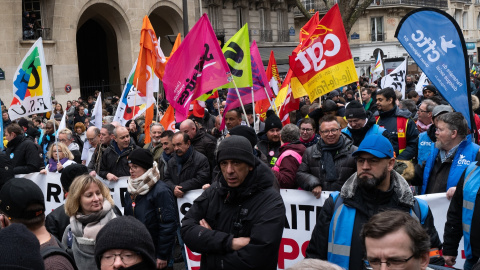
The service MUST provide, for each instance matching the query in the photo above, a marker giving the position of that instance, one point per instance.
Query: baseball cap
(440, 109)
(376, 145)
(19, 193)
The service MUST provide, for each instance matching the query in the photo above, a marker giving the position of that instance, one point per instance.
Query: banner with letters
(435, 41)
(301, 207)
(396, 78)
(31, 90)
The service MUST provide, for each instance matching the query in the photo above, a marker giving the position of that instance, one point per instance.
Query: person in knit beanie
(124, 242)
(19, 249)
(269, 139)
(361, 123)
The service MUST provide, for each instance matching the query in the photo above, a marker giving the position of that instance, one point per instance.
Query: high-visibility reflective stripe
(466, 227)
(468, 205)
(339, 249)
(335, 219)
(469, 175)
(434, 252)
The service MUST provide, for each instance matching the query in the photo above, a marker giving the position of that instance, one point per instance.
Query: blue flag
(434, 40)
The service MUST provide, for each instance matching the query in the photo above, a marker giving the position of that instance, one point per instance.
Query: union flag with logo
(324, 61)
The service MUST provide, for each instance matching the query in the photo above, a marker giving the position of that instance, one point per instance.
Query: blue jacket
(466, 153)
(424, 147)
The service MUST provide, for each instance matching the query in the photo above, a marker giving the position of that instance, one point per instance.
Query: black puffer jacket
(115, 163)
(254, 209)
(268, 148)
(399, 197)
(388, 120)
(194, 174)
(310, 173)
(205, 144)
(25, 156)
(156, 210)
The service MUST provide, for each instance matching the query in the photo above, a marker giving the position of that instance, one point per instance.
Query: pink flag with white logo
(198, 66)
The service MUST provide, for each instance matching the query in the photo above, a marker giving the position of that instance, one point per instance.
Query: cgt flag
(197, 67)
(31, 90)
(435, 41)
(324, 61)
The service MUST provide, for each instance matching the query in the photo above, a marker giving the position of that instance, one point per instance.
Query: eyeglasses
(128, 258)
(326, 132)
(91, 139)
(306, 129)
(420, 110)
(391, 263)
(63, 141)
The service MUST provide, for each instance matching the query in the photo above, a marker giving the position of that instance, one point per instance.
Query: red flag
(290, 104)
(262, 106)
(197, 67)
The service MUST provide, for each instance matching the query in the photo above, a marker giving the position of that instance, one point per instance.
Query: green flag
(237, 52)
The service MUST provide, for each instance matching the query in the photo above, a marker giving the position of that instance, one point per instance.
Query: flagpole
(253, 111)
(55, 132)
(158, 93)
(270, 101)
(240, 98)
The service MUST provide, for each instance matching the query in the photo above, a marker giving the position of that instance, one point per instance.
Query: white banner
(301, 206)
(396, 79)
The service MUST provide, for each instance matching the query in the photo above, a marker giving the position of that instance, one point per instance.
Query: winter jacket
(115, 163)
(194, 174)
(359, 134)
(270, 149)
(156, 210)
(453, 227)
(289, 166)
(156, 151)
(205, 144)
(25, 156)
(6, 169)
(388, 120)
(310, 173)
(254, 209)
(96, 158)
(367, 203)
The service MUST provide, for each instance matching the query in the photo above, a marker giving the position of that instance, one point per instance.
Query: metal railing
(283, 35)
(266, 35)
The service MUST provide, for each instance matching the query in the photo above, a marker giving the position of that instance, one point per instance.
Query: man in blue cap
(374, 188)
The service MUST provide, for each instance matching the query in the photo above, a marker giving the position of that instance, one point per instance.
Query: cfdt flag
(324, 61)
(197, 67)
(434, 40)
(31, 90)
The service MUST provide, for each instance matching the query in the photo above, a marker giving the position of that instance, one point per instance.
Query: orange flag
(168, 119)
(177, 43)
(150, 66)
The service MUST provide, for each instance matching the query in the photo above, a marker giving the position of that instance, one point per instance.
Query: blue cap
(376, 145)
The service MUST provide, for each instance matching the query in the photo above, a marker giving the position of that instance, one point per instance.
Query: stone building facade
(92, 44)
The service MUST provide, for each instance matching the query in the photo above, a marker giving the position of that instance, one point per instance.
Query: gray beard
(370, 183)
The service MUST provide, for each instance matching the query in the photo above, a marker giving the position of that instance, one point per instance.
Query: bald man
(201, 140)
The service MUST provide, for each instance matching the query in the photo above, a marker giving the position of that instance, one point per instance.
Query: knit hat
(17, 194)
(237, 148)
(20, 249)
(355, 110)
(23, 122)
(141, 157)
(329, 106)
(334, 93)
(246, 132)
(125, 232)
(441, 109)
(430, 88)
(272, 122)
(70, 172)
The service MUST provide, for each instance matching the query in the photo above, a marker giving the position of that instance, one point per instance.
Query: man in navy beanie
(269, 139)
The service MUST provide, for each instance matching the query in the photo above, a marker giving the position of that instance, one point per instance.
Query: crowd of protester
(371, 148)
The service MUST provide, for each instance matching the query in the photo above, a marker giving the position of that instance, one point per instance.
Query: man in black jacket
(375, 187)
(26, 157)
(402, 128)
(201, 140)
(237, 223)
(114, 162)
(188, 169)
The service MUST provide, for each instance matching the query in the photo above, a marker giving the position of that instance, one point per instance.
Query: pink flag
(260, 81)
(198, 66)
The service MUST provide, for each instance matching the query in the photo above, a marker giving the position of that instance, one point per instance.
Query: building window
(377, 29)
(465, 20)
(34, 26)
(282, 19)
(478, 22)
(242, 15)
(214, 16)
(458, 16)
(265, 30)
(309, 5)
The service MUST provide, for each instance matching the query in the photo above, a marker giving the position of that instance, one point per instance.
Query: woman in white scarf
(89, 206)
(152, 202)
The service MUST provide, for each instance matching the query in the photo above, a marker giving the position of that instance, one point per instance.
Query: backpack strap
(60, 250)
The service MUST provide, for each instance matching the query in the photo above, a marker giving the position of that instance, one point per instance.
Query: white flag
(378, 65)
(62, 124)
(31, 90)
(396, 78)
(96, 119)
(422, 82)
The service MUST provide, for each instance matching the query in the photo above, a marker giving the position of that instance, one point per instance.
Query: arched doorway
(166, 21)
(103, 50)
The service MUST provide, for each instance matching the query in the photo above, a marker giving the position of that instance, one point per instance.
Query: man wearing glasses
(396, 239)
(328, 164)
(65, 137)
(374, 188)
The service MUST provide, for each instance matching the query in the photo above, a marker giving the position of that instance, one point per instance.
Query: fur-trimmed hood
(400, 187)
